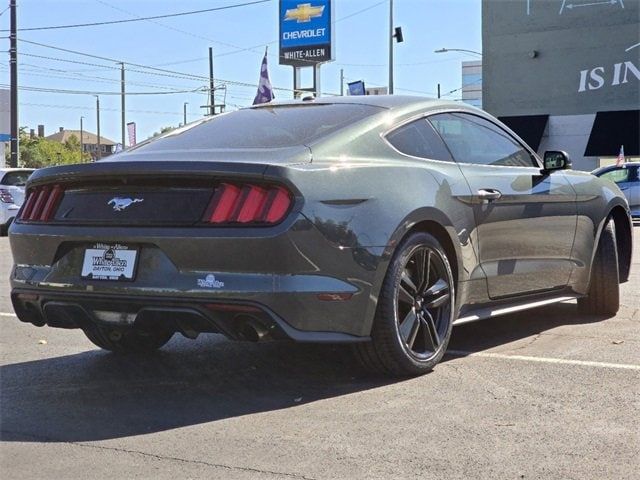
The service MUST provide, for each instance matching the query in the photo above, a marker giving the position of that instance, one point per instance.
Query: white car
(12, 182)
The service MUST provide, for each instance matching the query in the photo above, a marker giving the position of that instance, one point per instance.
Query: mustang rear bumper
(249, 321)
(283, 283)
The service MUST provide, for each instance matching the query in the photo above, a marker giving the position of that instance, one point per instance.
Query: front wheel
(127, 341)
(416, 309)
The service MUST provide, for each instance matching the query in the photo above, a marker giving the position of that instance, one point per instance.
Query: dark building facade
(565, 74)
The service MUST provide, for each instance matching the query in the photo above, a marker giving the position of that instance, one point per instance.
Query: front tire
(415, 313)
(127, 341)
(603, 297)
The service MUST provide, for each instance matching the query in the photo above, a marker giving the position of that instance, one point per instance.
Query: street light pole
(390, 47)
(81, 138)
(212, 93)
(184, 108)
(13, 63)
(444, 50)
(122, 103)
(99, 153)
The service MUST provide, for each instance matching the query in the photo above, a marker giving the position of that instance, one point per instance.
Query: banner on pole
(131, 130)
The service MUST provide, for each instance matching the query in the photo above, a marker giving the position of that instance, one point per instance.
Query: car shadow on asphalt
(96, 395)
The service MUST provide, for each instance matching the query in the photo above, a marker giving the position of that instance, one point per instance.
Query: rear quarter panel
(366, 201)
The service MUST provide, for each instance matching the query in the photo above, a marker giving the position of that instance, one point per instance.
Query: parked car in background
(626, 177)
(380, 221)
(12, 182)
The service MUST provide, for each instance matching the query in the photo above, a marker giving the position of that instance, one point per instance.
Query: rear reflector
(247, 204)
(41, 203)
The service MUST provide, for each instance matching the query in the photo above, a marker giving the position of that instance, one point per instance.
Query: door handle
(489, 194)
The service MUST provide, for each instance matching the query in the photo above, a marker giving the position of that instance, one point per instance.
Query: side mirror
(556, 160)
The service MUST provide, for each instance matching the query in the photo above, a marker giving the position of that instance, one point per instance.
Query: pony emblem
(120, 203)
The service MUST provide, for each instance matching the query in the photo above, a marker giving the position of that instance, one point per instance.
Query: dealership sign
(619, 74)
(305, 32)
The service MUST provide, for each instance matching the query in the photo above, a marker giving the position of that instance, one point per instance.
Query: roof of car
(383, 101)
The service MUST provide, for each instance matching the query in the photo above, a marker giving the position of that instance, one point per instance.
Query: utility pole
(122, 103)
(390, 47)
(99, 153)
(13, 61)
(212, 99)
(81, 139)
(342, 82)
(184, 108)
(438, 90)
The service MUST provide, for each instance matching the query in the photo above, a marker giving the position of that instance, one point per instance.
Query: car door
(634, 190)
(626, 178)
(526, 220)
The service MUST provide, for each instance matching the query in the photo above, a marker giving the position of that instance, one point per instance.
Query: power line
(237, 48)
(107, 59)
(91, 109)
(175, 29)
(153, 70)
(78, 62)
(129, 20)
(79, 77)
(87, 92)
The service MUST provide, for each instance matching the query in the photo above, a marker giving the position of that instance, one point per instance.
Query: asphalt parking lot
(542, 394)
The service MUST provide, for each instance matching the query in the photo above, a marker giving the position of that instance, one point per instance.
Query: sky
(238, 37)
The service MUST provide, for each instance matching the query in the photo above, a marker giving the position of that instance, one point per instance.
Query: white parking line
(559, 361)
(3, 314)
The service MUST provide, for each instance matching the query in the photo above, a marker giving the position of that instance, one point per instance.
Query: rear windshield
(17, 179)
(264, 127)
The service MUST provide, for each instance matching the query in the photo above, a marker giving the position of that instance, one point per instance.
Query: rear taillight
(41, 203)
(247, 204)
(5, 196)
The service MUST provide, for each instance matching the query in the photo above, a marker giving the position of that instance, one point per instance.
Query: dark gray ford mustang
(380, 221)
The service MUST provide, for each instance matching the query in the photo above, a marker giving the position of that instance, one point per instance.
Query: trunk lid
(141, 193)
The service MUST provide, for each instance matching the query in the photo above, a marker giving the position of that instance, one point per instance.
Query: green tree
(39, 152)
(162, 130)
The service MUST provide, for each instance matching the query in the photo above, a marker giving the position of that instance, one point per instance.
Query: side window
(473, 139)
(618, 175)
(418, 139)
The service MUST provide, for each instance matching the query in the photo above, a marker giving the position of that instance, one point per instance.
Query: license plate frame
(110, 262)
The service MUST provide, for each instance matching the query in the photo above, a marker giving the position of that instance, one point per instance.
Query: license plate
(109, 262)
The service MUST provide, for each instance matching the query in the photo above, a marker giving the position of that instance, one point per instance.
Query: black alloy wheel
(416, 309)
(422, 303)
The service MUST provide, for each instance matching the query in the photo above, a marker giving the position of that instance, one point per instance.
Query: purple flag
(265, 90)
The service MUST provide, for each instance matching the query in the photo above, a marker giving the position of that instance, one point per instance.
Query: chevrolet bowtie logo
(303, 13)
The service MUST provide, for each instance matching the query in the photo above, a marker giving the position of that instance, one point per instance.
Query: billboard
(305, 32)
(560, 57)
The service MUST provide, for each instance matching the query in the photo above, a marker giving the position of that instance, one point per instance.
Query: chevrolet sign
(305, 32)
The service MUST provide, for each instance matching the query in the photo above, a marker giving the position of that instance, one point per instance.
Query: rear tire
(415, 313)
(127, 341)
(603, 297)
